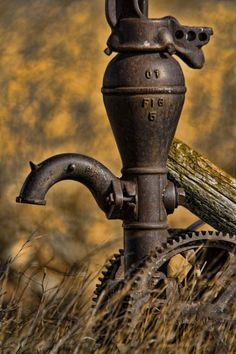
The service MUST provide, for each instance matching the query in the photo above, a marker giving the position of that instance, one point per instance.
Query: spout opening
(39, 202)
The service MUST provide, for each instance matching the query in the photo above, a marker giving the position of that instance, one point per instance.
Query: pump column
(150, 229)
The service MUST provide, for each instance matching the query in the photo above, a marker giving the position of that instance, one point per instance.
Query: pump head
(133, 31)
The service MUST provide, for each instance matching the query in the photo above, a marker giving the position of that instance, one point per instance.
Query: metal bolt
(181, 196)
(110, 199)
(108, 51)
(71, 167)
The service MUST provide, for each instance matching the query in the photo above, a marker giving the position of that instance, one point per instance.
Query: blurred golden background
(51, 70)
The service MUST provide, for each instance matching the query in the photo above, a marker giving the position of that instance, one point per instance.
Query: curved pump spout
(95, 176)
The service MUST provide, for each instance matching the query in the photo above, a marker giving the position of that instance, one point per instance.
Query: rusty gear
(151, 276)
(147, 280)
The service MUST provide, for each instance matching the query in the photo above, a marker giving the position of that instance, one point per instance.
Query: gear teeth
(160, 250)
(110, 268)
(134, 285)
(189, 236)
(162, 254)
(139, 278)
(171, 242)
(164, 245)
(108, 265)
(149, 260)
(97, 291)
(175, 244)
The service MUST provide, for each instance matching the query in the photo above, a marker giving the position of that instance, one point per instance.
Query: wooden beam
(210, 192)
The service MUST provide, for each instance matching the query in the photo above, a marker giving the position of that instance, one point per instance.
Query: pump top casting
(144, 91)
(133, 31)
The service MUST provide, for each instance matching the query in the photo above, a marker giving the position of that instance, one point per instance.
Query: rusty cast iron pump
(144, 92)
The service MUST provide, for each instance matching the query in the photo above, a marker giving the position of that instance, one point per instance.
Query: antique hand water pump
(143, 92)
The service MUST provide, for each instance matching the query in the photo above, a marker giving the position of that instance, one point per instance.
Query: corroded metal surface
(96, 177)
(143, 91)
(133, 31)
(150, 287)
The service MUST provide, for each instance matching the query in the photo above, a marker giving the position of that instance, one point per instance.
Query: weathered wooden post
(210, 192)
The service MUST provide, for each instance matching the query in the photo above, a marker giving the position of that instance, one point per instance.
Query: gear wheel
(153, 277)
(147, 281)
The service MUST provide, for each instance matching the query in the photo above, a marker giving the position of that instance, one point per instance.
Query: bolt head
(181, 196)
(71, 168)
(110, 199)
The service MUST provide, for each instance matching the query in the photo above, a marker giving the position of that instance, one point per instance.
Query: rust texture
(144, 92)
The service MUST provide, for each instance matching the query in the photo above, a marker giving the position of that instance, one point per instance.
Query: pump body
(144, 96)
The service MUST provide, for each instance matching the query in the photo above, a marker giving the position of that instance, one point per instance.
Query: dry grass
(37, 319)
